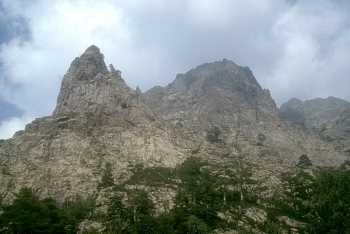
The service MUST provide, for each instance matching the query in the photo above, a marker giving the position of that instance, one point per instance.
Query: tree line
(207, 199)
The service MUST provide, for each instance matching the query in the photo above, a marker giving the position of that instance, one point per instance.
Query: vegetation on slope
(206, 200)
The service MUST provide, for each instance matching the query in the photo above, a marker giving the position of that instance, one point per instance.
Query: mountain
(221, 91)
(98, 121)
(327, 117)
(8, 110)
(222, 103)
(104, 135)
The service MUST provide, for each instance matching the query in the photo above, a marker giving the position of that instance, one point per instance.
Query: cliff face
(223, 106)
(98, 120)
(217, 111)
(89, 87)
(329, 118)
(221, 91)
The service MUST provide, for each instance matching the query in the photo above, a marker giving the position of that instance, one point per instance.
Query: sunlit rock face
(89, 86)
(98, 120)
(214, 94)
(217, 111)
(222, 103)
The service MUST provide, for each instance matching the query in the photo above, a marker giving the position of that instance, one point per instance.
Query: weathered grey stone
(99, 120)
(328, 117)
(296, 225)
(88, 226)
(257, 215)
(221, 105)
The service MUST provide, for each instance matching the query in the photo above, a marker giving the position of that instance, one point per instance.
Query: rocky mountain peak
(92, 50)
(223, 74)
(327, 117)
(89, 64)
(214, 95)
(319, 108)
(216, 112)
(293, 102)
(89, 86)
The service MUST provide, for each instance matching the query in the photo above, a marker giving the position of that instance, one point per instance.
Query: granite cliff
(98, 120)
(327, 117)
(217, 112)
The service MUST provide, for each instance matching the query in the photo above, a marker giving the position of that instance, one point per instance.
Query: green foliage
(197, 204)
(153, 176)
(298, 193)
(321, 201)
(213, 135)
(117, 218)
(78, 208)
(195, 225)
(200, 197)
(136, 217)
(107, 177)
(304, 161)
(238, 174)
(29, 214)
(331, 202)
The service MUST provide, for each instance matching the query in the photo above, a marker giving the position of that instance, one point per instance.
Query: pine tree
(107, 177)
(117, 216)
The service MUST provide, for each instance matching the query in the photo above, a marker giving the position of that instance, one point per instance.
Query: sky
(294, 48)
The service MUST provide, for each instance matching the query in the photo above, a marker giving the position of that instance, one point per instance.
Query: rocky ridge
(217, 111)
(223, 104)
(329, 118)
(98, 120)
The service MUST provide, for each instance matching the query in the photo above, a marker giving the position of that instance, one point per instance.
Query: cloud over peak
(295, 48)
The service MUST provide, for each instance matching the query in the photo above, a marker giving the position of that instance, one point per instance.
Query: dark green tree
(141, 211)
(77, 209)
(198, 196)
(117, 218)
(331, 202)
(194, 225)
(29, 214)
(321, 201)
(107, 177)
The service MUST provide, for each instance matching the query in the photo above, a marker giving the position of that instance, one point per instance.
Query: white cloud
(297, 50)
(61, 30)
(9, 127)
(314, 61)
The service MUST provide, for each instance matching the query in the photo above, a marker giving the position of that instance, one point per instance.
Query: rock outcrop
(217, 111)
(222, 105)
(98, 120)
(222, 91)
(329, 118)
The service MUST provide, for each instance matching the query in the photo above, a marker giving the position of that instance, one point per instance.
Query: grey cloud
(295, 48)
(12, 25)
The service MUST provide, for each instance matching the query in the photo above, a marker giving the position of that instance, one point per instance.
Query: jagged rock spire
(89, 64)
(88, 85)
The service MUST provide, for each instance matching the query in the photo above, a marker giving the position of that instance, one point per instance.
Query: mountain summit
(220, 95)
(89, 86)
(216, 112)
(327, 117)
